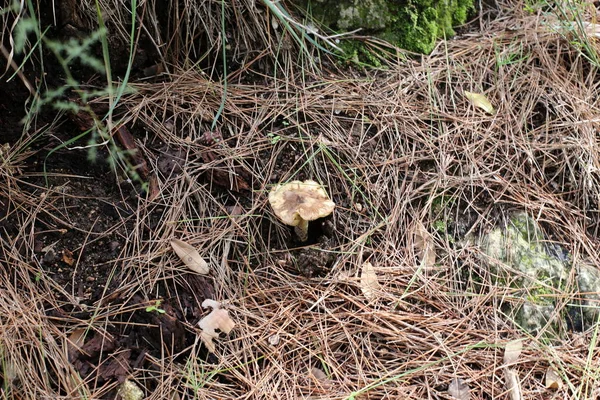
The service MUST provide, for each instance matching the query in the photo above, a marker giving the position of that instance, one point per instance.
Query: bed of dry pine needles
(389, 145)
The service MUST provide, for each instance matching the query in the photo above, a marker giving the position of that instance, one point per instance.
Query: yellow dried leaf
(217, 319)
(512, 351)
(190, 256)
(369, 284)
(459, 389)
(553, 381)
(479, 100)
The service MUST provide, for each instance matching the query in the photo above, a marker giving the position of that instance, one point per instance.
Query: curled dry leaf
(553, 380)
(423, 245)
(513, 386)
(479, 100)
(67, 257)
(190, 256)
(459, 389)
(512, 351)
(217, 319)
(75, 342)
(369, 284)
(274, 339)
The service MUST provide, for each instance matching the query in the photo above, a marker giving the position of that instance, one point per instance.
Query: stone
(520, 258)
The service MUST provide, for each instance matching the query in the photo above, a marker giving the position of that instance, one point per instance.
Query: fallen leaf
(98, 344)
(320, 377)
(459, 389)
(217, 319)
(369, 284)
(190, 256)
(319, 374)
(512, 384)
(117, 366)
(75, 342)
(67, 257)
(274, 339)
(423, 245)
(512, 351)
(479, 100)
(553, 380)
(591, 28)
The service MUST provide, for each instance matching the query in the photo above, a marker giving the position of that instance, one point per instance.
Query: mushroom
(296, 202)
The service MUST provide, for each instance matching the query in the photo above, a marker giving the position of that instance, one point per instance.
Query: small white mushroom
(295, 203)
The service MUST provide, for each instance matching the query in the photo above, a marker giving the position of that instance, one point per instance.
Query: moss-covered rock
(520, 258)
(411, 24)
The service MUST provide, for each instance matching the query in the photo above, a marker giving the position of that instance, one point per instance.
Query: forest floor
(381, 301)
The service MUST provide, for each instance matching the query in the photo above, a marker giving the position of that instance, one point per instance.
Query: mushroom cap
(295, 201)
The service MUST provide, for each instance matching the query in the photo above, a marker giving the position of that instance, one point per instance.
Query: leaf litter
(395, 144)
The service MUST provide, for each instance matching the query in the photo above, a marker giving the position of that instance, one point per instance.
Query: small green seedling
(274, 138)
(155, 307)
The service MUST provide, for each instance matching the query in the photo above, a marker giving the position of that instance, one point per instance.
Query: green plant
(29, 36)
(274, 138)
(155, 307)
(573, 26)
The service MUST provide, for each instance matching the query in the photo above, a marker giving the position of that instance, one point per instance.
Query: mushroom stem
(302, 230)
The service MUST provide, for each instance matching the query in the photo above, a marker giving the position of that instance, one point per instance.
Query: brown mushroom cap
(295, 201)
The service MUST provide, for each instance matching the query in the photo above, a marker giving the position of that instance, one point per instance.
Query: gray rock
(521, 259)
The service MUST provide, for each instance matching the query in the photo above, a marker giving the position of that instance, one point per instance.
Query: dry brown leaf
(190, 256)
(67, 257)
(513, 386)
(321, 377)
(423, 244)
(479, 100)
(553, 380)
(75, 342)
(459, 389)
(369, 284)
(512, 351)
(217, 319)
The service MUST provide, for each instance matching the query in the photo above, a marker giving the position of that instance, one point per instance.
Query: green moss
(441, 212)
(440, 226)
(357, 53)
(414, 25)
(420, 23)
